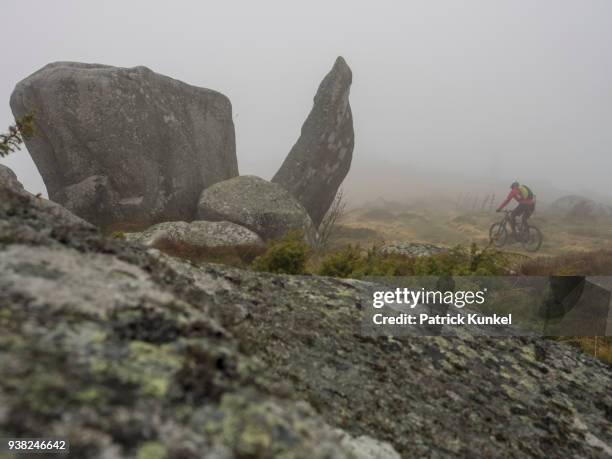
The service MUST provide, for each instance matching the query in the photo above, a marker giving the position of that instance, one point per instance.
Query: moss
(152, 450)
(118, 235)
(87, 395)
(154, 367)
(258, 428)
(147, 353)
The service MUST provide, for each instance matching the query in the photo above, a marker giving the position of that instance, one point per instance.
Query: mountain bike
(501, 233)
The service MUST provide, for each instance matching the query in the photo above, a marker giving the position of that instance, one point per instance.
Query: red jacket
(516, 194)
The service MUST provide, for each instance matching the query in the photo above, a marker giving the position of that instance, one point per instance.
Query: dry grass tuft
(599, 347)
(238, 256)
(578, 264)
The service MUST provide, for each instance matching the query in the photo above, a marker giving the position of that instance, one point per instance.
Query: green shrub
(354, 263)
(287, 255)
(343, 263)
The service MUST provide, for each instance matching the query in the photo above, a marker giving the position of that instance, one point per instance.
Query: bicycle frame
(507, 221)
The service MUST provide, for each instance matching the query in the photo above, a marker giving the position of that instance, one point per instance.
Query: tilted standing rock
(263, 207)
(125, 148)
(317, 164)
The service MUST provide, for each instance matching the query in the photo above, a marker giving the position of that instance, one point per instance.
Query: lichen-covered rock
(9, 179)
(125, 147)
(318, 162)
(412, 249)
(264, 207)
(131, 354)
(198, 234)
(364, 447)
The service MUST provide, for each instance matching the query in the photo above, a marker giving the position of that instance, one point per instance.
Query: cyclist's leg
(517, 212)
(529, 210)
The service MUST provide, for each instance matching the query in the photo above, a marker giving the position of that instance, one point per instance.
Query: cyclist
(526, 203)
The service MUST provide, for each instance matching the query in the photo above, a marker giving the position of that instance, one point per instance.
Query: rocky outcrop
(125, 147)
(412, 249)
(318, 162)
(132, 354)
(580, 208)
(264, 207)
(9, 179)
(198, 234)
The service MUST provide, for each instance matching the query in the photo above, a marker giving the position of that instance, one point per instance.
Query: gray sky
(515, 88)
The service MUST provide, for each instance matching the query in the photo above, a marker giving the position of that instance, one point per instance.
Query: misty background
(446, 95)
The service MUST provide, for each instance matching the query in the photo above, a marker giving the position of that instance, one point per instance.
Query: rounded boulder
(264, 207)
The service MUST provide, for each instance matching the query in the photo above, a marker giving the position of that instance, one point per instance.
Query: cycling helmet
(514, 184)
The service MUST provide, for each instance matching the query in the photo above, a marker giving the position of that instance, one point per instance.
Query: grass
(599, 347)
(241, 256)
(450, 226)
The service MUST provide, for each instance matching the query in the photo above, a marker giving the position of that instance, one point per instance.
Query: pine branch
(22, 129)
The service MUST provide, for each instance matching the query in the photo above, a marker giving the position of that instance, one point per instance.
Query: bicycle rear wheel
(532, 240)
(498, 234)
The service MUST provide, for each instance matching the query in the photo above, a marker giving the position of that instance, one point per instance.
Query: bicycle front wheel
(533, 239)
(498, 234)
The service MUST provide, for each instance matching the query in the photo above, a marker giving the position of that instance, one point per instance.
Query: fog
(446, 91)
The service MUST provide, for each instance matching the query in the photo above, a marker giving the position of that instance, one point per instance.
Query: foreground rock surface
(125, 147)
(263, 207)
(318, 162)
(198, 234)
(135, 355)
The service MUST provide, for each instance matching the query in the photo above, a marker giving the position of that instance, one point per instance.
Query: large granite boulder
(198, 234)
(317, 164)
(125, 147)
(264, 207)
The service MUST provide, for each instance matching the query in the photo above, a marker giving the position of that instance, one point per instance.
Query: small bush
(355, 263)
(343, 263)
(287, 255)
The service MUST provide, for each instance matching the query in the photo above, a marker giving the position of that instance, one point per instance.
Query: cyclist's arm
(507, 200)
